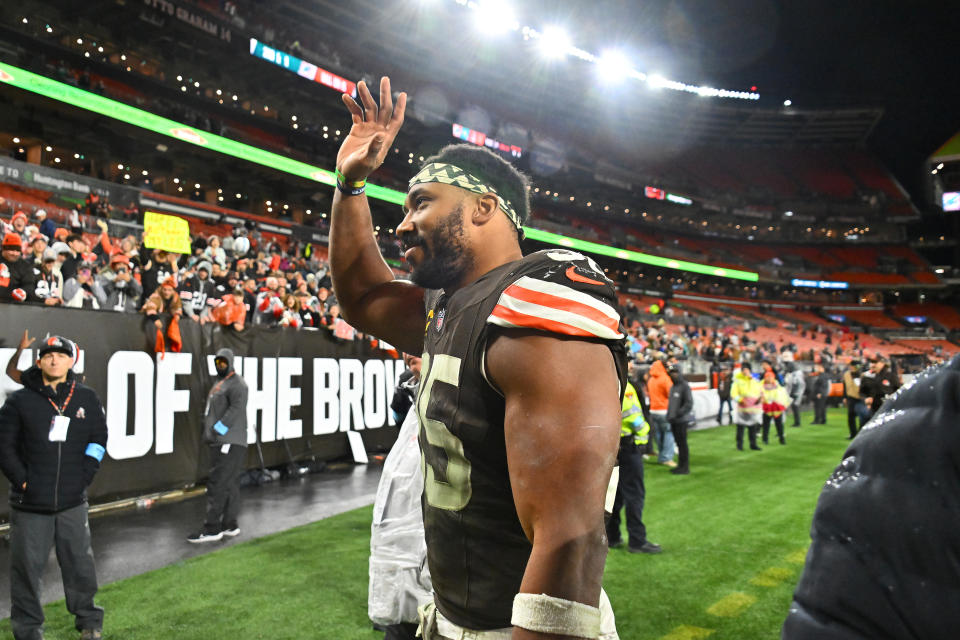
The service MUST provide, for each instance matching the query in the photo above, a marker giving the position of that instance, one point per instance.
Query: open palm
(373, 131)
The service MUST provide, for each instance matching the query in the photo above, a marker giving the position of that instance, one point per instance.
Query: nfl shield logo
(81, 414)
(440, 315)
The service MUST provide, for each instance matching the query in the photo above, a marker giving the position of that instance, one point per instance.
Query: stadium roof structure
(949, 151)
(387, 37)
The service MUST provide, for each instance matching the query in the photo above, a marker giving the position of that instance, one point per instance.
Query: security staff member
(53, 434)
(630, 492)
(225, 430)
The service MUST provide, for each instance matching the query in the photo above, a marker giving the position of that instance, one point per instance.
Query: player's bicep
(393, 311)
(561, 427)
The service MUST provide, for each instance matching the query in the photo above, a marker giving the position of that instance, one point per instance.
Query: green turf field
(734, 534)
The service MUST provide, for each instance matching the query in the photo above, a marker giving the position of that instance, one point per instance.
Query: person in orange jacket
(231, 310)
(658, 389)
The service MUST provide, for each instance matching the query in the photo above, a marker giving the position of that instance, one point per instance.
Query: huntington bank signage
(306, 391)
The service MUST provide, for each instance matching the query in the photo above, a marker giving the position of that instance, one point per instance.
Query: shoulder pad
(559, 291)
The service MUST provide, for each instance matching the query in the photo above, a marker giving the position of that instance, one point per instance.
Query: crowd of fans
(244, 278)
(238, 280)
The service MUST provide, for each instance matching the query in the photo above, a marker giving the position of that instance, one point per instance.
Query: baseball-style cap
(49, 255)
(60, 345)
(12, 241)
(60, 247)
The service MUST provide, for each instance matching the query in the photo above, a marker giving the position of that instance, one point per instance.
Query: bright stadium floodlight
(613, 67)
(657, 81)
(495, 17)
(67, 94)
(554, 43)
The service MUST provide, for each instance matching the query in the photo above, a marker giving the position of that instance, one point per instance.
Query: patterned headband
(454, 175)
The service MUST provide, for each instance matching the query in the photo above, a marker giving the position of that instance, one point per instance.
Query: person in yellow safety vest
(747, 396)
(634, 431)
(633, 421)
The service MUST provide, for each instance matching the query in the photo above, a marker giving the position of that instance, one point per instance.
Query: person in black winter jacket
(406, 392)
(820, 392)
(53, 434)
(681, 416)
(17, 280)
(225, 430)
(723, 391)
(884, 562)
(877, 384)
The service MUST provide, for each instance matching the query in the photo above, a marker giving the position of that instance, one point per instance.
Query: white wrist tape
(546, 614)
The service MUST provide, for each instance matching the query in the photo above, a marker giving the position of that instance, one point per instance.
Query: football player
(519, 403)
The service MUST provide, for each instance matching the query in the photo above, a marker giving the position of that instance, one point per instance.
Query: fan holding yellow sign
(168, 233)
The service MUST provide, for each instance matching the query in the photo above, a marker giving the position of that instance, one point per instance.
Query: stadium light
(657, 81)
(495, 17)
(613, 67)
(554, 43)
(86, 100)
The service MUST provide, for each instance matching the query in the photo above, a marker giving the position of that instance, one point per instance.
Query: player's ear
(487, 206)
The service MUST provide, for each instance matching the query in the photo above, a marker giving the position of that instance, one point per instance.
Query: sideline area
(131, 542)
(734, 533)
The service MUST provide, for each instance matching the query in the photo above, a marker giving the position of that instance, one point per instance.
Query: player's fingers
(397, 119)
(355, 111)
(369, 106)
(386, 101)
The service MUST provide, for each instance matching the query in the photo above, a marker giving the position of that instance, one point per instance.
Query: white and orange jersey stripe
(530, 303)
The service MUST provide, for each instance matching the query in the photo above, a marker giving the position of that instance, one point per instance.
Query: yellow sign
(169, 233)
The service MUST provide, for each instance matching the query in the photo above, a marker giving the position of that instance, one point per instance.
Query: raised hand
(26, 340)
(373, 131)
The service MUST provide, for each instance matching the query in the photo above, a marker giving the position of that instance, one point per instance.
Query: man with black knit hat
(225, 430)
(53, 435)
(17, 282)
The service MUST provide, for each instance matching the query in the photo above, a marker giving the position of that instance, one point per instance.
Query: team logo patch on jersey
(440, 316)
(576, 277)
(81, 414)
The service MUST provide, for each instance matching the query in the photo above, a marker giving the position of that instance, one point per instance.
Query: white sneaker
(203, 536)
(232, 533)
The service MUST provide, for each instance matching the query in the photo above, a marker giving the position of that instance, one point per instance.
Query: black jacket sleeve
(10, 462)
(98, 436)
(686, 402)
(885, 555)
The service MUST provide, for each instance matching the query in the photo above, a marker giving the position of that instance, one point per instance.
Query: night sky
(901, 56)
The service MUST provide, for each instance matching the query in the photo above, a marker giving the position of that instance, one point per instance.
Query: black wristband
(350, 191)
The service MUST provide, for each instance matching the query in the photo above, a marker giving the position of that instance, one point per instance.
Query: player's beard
(446, 257)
